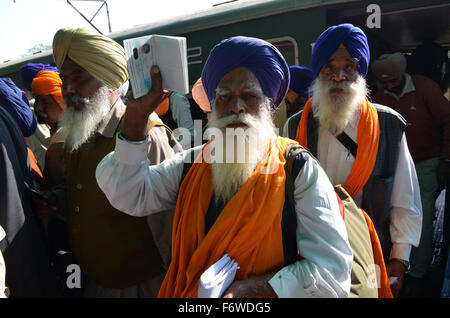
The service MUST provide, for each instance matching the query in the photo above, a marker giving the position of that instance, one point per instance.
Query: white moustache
(242, 118)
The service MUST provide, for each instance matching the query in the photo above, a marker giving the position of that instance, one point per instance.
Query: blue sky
(25, 23)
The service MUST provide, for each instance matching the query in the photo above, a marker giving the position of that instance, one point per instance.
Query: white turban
(389, 65)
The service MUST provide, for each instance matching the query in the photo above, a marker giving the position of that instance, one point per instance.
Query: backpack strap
(296, 157)
(348, 143)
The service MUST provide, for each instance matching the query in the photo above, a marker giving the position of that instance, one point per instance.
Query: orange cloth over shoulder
(48, 83)
(368, 137)
(163, 107)
(248, 229)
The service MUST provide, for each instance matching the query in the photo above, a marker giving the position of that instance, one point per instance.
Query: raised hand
(138, 110)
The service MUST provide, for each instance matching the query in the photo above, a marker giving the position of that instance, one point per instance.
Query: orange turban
(48, 83)
(199, 95)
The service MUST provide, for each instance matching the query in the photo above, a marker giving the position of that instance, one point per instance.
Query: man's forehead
(341, 54)
(69, 67)
(239, 77)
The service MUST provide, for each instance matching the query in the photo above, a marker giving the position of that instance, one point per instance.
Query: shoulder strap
(292, 167)
(294, 163)
(348, 143)
(293, 122)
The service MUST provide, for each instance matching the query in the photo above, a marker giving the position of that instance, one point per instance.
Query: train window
(288, 47)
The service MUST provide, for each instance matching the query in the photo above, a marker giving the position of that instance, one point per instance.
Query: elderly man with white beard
(361, 145)
(119, 254)
(228, 205)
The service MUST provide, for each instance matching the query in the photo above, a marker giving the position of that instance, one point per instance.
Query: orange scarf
(248, 229)
(384, 290)
(36, 171)
(163, 107)
(368, 137)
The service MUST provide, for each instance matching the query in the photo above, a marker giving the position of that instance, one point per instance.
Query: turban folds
(301, 79)
(29, 71)
(260, 57)
(102, 57)
(389, 64)
(16, 103)
(354, 40)
(199, 95)
(48, 83)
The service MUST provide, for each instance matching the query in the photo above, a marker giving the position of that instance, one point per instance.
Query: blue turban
(29, 71)
(354, 40)
(15, 102)
(301, 79)
(260, 57)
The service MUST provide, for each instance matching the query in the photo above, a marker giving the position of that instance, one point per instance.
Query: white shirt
(134, 187)
(406, 206)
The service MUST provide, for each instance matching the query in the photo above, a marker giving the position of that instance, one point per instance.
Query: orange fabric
(248, 229)
(199, 95)
(48, 83)
(163, 107)
(37, 173)
(368, 137)
(384, 291)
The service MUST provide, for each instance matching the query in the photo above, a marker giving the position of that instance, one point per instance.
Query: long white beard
(335, 111)
(80, 125)
(241, 157)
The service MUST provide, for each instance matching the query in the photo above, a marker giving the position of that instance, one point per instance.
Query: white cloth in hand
(217, 278)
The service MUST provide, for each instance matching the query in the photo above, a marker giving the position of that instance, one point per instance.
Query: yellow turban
(102, 57)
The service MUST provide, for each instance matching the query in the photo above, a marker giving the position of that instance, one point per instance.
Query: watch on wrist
(405, 263)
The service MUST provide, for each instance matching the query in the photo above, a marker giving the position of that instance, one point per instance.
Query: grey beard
(335, 112)
(81, 125)
(228, 177)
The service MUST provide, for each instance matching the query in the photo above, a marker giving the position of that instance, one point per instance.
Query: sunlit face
(78, 85)
(340, 67)
(238, 92)
(47, 110)
(338, 73)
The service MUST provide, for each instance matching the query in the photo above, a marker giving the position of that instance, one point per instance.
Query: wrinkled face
(47, 110)
(238, 92)
(78, 85)
(338, 73)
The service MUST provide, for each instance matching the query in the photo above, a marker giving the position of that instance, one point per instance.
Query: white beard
(241, 160)
(335, 110)
(80, 125)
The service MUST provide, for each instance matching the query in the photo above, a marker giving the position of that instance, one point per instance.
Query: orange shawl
(368, 137)
(248, 229)
(163, 107)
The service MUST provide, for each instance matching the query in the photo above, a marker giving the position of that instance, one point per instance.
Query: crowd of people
(341, 205)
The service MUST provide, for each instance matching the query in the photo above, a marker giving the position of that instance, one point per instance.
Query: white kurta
(136, 188)
(406, 206)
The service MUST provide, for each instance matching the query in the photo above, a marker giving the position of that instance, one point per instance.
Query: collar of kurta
(409, 87)
(108, 126)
